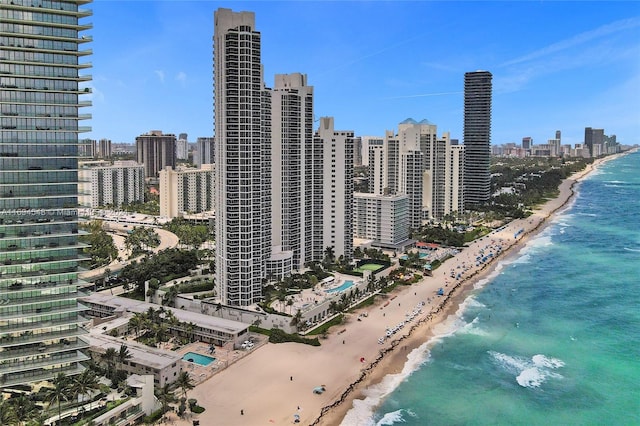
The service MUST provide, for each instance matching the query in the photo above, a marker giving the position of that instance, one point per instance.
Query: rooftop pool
(198, 359)
(344, 286)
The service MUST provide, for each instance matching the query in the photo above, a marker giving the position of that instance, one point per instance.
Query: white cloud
(577, 40)
(160, 75)
(181, 77)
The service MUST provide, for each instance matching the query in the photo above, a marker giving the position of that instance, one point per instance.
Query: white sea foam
(530, 378)
(632, 249)
(391, 418)
(543, 361)
(480, 284)
(395, 417)
(363, 409)
(471, 302)
(474, 328)
(530, 373)
(524, 258)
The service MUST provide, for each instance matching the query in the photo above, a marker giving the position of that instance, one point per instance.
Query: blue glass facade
(41, 62)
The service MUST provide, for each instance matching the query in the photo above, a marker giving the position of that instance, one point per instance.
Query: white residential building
(292, 167)
(333, 219)
(415, 162)
(104, 184)
(283, 193)
(204, 153)
(377, 167)
(186, 190)
(165, 366)
(381, 218)
(182, 149)
(242, 145)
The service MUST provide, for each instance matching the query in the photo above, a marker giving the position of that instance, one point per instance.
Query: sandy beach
(274, 385)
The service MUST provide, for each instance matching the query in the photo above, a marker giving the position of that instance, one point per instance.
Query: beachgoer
(242, 412)
(291, 378)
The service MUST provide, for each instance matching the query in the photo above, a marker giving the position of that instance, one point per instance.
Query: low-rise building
(164, 366)
(192, 325)
(131, 411)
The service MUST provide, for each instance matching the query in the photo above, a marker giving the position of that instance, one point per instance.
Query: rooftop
(137, 306)
(140, 354)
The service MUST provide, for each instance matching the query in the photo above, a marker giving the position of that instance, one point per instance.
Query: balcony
(43, 349)
(39, 375)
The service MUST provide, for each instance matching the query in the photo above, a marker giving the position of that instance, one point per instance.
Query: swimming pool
(344, 286)
(198, 359)
(422, 256)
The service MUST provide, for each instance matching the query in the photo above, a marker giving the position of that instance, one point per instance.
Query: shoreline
(274, 385)
(423, 333)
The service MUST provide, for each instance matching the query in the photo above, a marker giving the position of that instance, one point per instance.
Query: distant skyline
(556, 65)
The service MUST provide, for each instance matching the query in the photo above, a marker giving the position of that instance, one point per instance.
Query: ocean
(552, 337)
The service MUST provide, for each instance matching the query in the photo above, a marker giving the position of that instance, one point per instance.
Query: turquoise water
(552, 338)
(198, 359)
(344, 286)
(422, 256)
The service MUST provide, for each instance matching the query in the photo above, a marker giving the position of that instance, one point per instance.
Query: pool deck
(224, 357)
(309, 298)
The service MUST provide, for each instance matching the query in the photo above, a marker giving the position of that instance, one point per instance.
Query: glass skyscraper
(41, 62)
(477, 136)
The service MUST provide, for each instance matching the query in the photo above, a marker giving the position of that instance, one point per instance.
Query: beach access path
(274, 385)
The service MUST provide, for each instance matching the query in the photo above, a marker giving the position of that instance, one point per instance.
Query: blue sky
(555, 65)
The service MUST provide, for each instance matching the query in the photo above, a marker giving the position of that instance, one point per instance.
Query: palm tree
(85, 383)
(165, 396)
(7, 414)
(109, 357)
(184, 382)
(24, 408)
(296, 321)
(329, 257)
(123, 355)
(61, 391)
(135, 323)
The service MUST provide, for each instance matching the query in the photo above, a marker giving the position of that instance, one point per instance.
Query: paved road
(167, 240)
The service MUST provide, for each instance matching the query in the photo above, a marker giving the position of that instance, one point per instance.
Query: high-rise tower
(292, 165)
(243, 173)
(477, 136)
(156, 151)
(40, 319)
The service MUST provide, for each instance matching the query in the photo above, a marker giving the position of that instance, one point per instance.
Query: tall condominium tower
(242, 143)
(410, 153)
(333, 199)
(477, 136)
(205, 152)
(156, 151)
(594, 140)
(377, 166)
(104, 148)
(182, 149)
(292, 159)
(40, 319)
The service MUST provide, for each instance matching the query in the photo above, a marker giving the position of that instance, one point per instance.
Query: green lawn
(368, 267)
